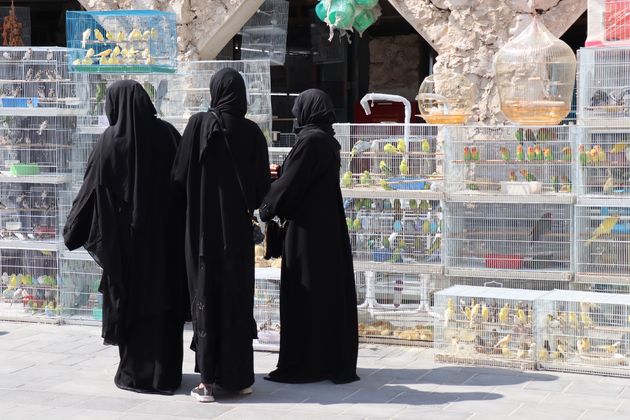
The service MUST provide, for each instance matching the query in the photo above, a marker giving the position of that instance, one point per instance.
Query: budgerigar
(604, 228)
(504, 313)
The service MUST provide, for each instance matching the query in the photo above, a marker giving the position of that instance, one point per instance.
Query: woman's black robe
(318, 304)
(219, 246)
(124, 217)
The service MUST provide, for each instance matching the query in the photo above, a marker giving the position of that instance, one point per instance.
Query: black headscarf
(127, 148)
(227, 95)
(314, 109)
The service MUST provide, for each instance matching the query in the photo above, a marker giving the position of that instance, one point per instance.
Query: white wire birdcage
(509, 239)
(604, 86)
(80, 277)
(510, 160)
(608, 23)
(395, 307)
(583, 332)
(29, 284)
(278, 154)
(391, 157)
(602, 242)
(267, 308)
(264, 36)
(489, 326)
(522, 281)
(603, 162)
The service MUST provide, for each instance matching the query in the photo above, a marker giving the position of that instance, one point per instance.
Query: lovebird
(548, 154)
(529, 177)
(604, 228)
(474, 154)
(520, 154)
(505, 153)
(467, 154)
(566, 184)
(555, 183)
(426, 146)
(566, 154)
(531, 154)
(512, 176)
(404, 169)
(538, 152)
(545, 134)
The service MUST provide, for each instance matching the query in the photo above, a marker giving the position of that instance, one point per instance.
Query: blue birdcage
(122, 41)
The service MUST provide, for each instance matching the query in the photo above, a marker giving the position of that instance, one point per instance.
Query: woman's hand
(274, 171)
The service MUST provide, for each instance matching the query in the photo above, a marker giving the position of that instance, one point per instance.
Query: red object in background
(504, 261)
(617, 20)
(385, 112)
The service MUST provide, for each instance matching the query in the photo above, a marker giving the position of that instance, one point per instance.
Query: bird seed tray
(581, 366)
(23, 169)
(394, 341)
(486, 361)
(121, 68)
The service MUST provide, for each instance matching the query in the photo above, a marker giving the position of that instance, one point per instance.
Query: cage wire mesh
(264, 36)
(517, 282)
(510, 160)
(604, 86)
(80, 277)
(488, 326)
(602, 242)
(583, 332)
(508, 239)
(29, 284)
(121, 41)
(267, 308)
(396, 308)
(391, 156)
(603, 162)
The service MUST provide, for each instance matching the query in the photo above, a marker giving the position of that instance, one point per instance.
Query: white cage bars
(604, 86)
(264, 36)
(80, 277)
(383, 157)
(603, 162)
(267, 308)
(29, 284)
(602, 242)
(509, 160)
(584, 332)
(395, 308)
(488, 326)
(35, 81)
(508, 239)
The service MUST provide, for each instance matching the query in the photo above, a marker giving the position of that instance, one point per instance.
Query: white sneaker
(202, 394)
(246, 391)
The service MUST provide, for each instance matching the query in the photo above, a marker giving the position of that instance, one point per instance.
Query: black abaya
(124, 217)
(318, 305)
(218, 245)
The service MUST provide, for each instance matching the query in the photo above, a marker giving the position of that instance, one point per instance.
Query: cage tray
(22, 169)
(19, 102)
(504, 261)
(402, 183)
(122, 68)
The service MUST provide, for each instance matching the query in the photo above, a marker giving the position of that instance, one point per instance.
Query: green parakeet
(426, 227)
(356, 225)
(519, 134)
(413, 204)
(349, 223)
(384, 168)
(538, 152)
(426, 146)
(435, 246)
(346, 179)
(424, 206)
(385, 185)
(390, 148)
(512, 176)
(365, 178)
(404, 169)
(401, 146)
(101, 88)
(150, 90)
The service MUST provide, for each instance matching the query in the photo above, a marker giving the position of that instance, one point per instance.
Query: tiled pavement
(64, 372)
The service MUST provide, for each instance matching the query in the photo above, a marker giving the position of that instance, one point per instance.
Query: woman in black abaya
(318, 304)
(219, 245)
(123, 216)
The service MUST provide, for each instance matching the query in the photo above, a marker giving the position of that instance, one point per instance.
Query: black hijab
(314, 109)
(126, 145)
(227, 95)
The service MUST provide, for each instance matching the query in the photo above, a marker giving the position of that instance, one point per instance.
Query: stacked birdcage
(41, 102)
(267, 308)
(80, 299)
(583, 332)
(264, 36)
(489, 326)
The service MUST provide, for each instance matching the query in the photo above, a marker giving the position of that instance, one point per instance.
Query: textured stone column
(467, 33)
(203, 26)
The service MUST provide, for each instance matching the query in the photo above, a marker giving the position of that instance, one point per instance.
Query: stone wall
(203, 26)
(467, 34)
(394, 65)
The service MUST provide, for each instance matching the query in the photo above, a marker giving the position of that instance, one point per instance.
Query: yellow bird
(573, 319)
(449, 313)
(504, 313)
(120, 37)
(485, 313)
(105, 53)
(611, 348)
(543, 355)
(99, 35)
(520, 315)
(135, 35)
(505, 351)
(89, 53)
(583, 345)
(504, 341)
(116, 51)
(109, 36)
(618, 148)
(467, 312)
(87, 61)
(604, 228)
(609, 185)
(103, 61)
(76, 62)
(586, 319)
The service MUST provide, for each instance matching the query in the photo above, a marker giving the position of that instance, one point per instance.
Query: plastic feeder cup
(364, 20)
(320, 11)
(367, 4)
(341, 13)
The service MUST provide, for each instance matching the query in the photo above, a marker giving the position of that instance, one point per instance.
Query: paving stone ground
(64, 372)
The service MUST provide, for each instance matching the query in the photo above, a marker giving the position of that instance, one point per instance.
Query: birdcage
(80, 277)
(267, 308)
(277, 155)
(404, 158)
(535, 75)
(510, 160)
(395, 307)
(489, 326)
(583, 332)
(29, 283)
(522, 281)
(122, 41)
(604, 86)
(608, 23)
(264, 36)
(394, 234)
(508, 239)
(190, 93)
(602, 241)
(34, 81)
(603, 162)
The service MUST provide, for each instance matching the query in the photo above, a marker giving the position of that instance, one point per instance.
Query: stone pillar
(204, 27)
(467, 33)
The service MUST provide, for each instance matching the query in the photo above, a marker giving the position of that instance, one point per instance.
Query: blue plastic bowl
(402, 183)
(621, 228)
(18, 102)
(615, 211)
(381, 254)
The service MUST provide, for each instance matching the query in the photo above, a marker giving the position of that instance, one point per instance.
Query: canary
(504, 313)
(426, 146)
(485, 313)
(449, 313)
(604, 228)
(104, 53)
(503, 342)
(583, 345)
(98, 35)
